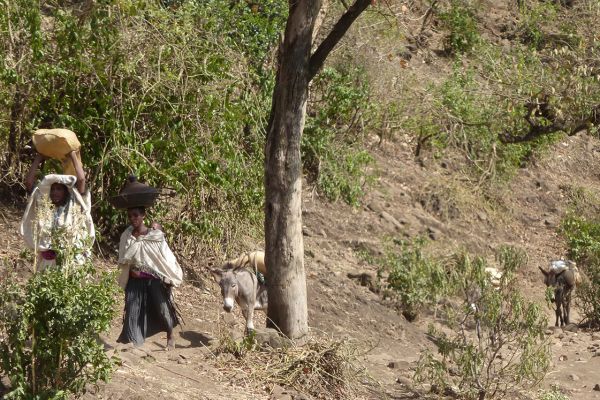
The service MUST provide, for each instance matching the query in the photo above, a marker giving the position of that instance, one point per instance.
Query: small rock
(182, 361)
(398, 364)
(433, 234)
(595, 336)
(573, 377)
(307, 232)
(406, 382)
(268, 336)
(597, 387)
(363, 278)
(571, 328)
(562, 358)
(390, 218)
(405, 54)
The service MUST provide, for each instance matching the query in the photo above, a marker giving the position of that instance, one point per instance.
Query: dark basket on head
(135, 194)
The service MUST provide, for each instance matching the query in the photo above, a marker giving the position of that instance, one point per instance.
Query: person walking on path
(149, 271)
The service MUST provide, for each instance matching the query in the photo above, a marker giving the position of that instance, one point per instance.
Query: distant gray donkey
(563, 276)
(242, 280)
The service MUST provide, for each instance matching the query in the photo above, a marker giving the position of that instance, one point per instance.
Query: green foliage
(502, 105)
(583, 238)
(460, 22)
(553, 394)
(177, 93)
(497, 341)
(534, 15)
(49, 327)
(178, 96)
(238, 349)
(414, 279)
(339, 113)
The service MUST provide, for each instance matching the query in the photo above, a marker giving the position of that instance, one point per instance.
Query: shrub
(414, 279)
(49, 324)
(553, 394)
(583, 239)
(339, 114)
(49, 327)
(459, 20)
(534, 16)
(497, 342)
(176, 95)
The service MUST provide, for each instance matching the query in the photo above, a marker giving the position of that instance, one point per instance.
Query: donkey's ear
(543, 271)
(217, 274)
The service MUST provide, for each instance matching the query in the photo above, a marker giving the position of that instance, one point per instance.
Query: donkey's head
(551, 276)
(227, 280)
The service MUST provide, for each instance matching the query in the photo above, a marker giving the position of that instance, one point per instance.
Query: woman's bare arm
(30, 178)
(79, 174)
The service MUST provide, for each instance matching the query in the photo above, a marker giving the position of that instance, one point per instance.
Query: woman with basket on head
(149, 270)
(57, 221)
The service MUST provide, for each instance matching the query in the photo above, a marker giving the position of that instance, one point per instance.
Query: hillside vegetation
(464, 94)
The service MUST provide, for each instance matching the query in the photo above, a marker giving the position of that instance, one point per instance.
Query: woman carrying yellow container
(59, 207)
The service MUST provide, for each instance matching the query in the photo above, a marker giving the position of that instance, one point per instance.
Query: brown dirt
(526, 214)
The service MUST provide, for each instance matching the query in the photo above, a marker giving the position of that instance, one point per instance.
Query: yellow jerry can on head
(57, 144)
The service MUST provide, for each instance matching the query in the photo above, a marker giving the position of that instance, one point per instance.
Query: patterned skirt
(149, 309)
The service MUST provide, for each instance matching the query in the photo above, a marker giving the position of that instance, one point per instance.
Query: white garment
(148, 253)
(41, 218)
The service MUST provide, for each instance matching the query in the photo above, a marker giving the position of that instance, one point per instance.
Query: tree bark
(284, 246)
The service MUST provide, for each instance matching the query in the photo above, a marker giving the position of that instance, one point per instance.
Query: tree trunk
(284, 245)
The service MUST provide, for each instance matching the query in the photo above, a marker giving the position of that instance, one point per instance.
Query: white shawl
(41, 217)
(149, 253)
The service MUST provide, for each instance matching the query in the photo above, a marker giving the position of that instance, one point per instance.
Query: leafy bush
(497, 342)
(176, 95)
(414, 279)
(49, 328)
(583, 238)
(459, 20)
(332, 144)
(503, 106)
(534, 15)
(49, 324)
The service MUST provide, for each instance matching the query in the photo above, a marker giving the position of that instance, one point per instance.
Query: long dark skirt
(149, 309)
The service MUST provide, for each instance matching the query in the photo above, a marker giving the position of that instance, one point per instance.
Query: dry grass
(322, 368)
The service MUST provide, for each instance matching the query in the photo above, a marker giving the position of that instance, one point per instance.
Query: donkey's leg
(248, 312)
(250, 320)
(567, 308)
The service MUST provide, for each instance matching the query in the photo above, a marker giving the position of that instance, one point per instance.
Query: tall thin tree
(288, 309)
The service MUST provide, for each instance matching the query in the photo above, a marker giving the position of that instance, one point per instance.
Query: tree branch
(572, 128)
(338, 31)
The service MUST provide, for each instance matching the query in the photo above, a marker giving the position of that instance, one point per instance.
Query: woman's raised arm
(79, 173)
